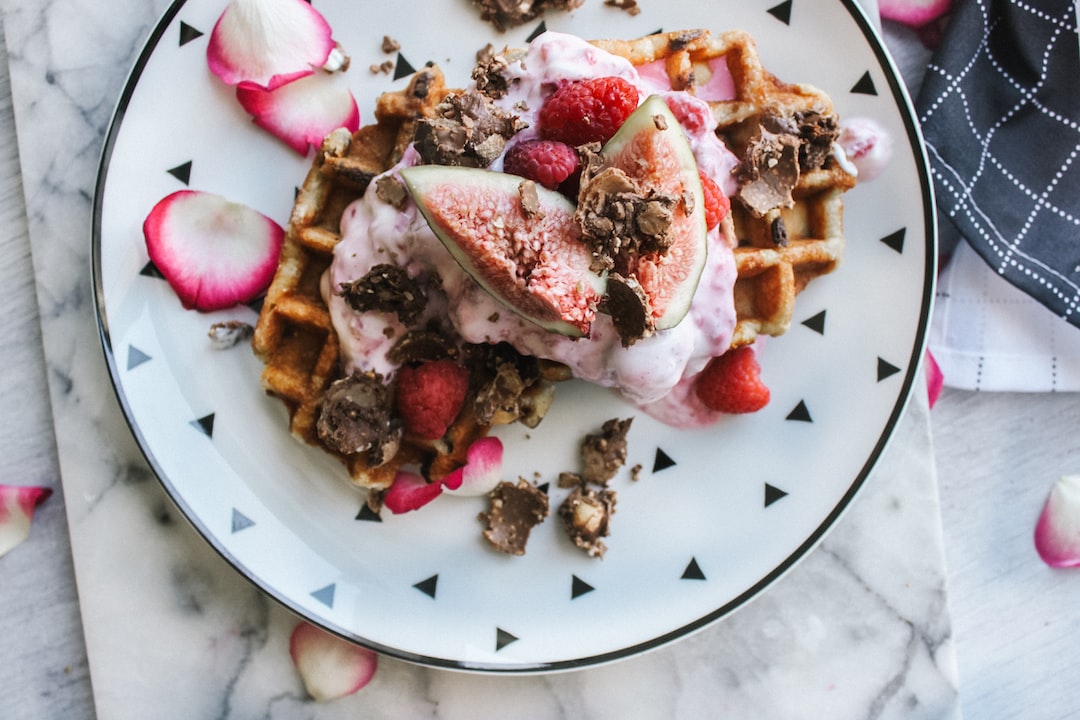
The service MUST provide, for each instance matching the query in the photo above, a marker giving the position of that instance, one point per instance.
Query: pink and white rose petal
(1057, 533)
(329, 666)
(17, 505)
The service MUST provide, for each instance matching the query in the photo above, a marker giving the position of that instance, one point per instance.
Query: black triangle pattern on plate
(205, 425)
(136, 357)
(403, 68)
(325, 595)
(540, 30)
(579, 587)
(895, 240)
(865, 86)
(662, 461)
(150, 270)
(428, 585)
(366, 513)
(782, 12)
(800, 413)
(816, 323)
(240, 521)
(182, 172)
(503, 638)
(885, 369)
(188, 33)
(772, 494)
(693, 571)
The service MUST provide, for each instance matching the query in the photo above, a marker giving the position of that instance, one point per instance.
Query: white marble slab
(859, 629)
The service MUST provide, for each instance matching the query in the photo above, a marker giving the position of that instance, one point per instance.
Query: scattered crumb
(390, 45)
(385, 68)
(629, 6)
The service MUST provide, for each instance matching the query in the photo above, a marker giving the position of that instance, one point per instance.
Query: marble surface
(861, 628)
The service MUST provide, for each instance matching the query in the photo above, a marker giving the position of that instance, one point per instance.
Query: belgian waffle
(295, 338)
(770, 273)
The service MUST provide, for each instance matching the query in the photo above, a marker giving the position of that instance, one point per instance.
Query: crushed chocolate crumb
(386, 288)
(586, 514)
(390, 45)
(660, 122)
(503, 380)
(355, 417)
(515, 510)
(420, 345)
(779, 232)
(618, 219)
(818, 133)
(603, 453)
(469, 131)
(392, 191)
(489, 74)
(530, 199)
(505, 14)
(628, 306)
(570, 480)
(224, 335)
(635, 472)
(385, 67)
(629, 6)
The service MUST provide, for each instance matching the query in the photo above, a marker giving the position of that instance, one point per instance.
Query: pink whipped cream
(655, 372)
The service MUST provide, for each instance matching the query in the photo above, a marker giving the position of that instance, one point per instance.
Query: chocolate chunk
(629, 6)
(355, 417)
(503, 380)
(530, 199)
(489, 75)
(418, 345)
(505, 14)
(586, 514)
(515, 510)
(626, 303)
(224, 335)
(618, 219)
(770, 168)
(386, 288)
(392, 191)
(470, 131)
(390, 45)
(818, 133)
(602, 454)
(779, 232)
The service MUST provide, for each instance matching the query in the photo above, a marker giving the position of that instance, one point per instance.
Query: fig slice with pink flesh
(518, 240)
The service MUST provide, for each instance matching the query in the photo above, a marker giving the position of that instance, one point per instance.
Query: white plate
(716, 516)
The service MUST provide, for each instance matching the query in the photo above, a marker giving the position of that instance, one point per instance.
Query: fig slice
(652, 150)
(518, 240)
(269, 42)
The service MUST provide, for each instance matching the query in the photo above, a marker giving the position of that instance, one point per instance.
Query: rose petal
(913, 13)
(17, 506)
(935, 379)
(303, 112)
(410, 491)
(329, 666)
(482, 470)
(268, 42)
(215, 253)
(1057, 534)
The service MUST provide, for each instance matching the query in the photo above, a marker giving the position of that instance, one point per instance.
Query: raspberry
(717, 204)
(732, 383)
(430, 396)
(587, 111)
(693, 114)
(548, 162)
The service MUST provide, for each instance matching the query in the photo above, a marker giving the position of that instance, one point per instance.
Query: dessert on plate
(446, 266)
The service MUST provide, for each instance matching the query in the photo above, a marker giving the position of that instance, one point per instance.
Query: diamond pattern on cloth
(1000, 111)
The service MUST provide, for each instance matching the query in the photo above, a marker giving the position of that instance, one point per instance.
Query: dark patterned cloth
(1000, 109)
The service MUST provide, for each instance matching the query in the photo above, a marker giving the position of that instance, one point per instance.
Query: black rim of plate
(898, 93)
